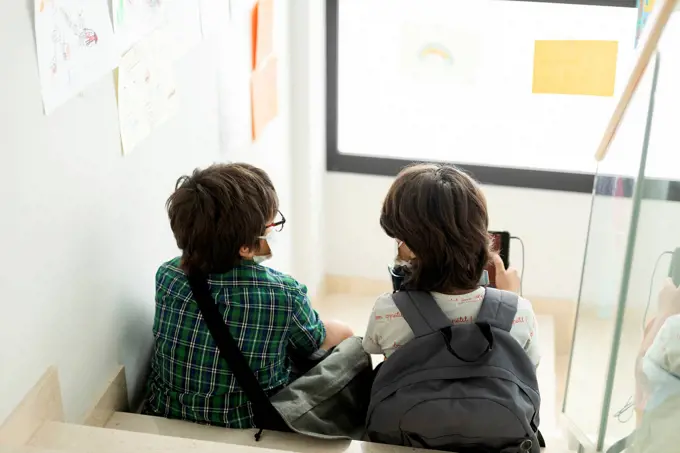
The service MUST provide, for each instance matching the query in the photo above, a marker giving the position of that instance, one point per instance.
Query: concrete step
(272, 440)
(177, 428)
(85, 439)
(79, 439)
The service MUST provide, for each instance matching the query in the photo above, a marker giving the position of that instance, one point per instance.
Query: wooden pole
(649, 39)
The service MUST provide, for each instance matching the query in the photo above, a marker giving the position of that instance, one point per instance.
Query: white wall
(84, 229)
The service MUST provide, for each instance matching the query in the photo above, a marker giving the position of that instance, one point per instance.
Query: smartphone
(501, 244)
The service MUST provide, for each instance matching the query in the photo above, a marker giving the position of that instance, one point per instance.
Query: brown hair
(440, 214)
(216, 211)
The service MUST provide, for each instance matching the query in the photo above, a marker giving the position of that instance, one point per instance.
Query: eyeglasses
(278, 225)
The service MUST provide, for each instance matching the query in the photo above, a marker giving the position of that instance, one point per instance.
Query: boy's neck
(457, 291)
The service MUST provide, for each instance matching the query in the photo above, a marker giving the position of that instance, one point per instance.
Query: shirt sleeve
(307, 330)
(532, 346)
(370, 342)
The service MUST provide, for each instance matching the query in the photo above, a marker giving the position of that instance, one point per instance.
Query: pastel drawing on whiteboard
(135, 19)
(435, 52)
(75, 47)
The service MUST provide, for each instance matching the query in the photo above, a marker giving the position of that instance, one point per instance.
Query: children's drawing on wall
(146, 90)
(75, 47)
(135, 19)
(432, 52)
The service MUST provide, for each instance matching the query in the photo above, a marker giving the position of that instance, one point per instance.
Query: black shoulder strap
(421, 312)
(265, 415)
(541, 440)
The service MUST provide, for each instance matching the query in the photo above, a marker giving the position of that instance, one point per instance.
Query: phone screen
(501, 244)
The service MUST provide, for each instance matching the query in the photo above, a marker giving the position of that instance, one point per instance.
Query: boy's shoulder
(257, 275)
(173, 265)
(171, 270)
(247, 274)
(171, 281)
(384, 304)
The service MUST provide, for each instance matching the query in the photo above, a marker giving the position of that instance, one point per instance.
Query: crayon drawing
(75, 47)
(135, 19)
(146, 90)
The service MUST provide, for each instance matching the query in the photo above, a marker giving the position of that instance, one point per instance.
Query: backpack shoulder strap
(265, 415)
(498, 309)
(421, 312)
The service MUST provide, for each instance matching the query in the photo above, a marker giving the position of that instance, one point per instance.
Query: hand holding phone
(506, 279)
(501, 245)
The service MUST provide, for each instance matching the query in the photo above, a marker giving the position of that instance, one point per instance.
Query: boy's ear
(246, 252)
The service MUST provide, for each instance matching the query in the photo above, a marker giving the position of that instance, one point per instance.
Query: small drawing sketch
(439, 53)
(68, 28)
(435, 53)
(146, 90)
(88, 38)
(136, 19)
(75, 46)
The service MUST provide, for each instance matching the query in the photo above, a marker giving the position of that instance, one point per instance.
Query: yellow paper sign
(575, 67)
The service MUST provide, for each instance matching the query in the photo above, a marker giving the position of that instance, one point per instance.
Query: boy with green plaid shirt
(225, 220)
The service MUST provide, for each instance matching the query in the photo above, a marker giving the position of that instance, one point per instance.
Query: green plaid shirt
(266, 311)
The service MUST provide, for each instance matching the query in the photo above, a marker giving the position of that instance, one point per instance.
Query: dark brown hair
(216, 211)
(440, 214)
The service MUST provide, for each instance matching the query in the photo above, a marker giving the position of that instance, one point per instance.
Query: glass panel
(611, 225)
(657, 238)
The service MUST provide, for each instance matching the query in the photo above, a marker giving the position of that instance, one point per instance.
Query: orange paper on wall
(575, 67)
(262, 31)
(264, 96)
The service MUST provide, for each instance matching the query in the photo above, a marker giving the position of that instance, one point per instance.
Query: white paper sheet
(75, 47)
(215, 16)
(183, 25)
(135, 19)
(146, 90)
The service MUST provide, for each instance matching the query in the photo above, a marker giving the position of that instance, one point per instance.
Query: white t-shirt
(387, 329)
(665, 350)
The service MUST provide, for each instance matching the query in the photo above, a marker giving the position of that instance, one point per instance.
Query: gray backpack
(464, 388)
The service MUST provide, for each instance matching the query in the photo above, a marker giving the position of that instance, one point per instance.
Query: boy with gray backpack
(460, 369)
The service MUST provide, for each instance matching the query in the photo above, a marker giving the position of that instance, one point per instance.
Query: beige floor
(592, 349)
